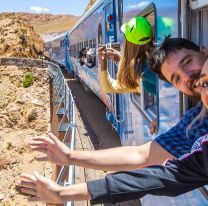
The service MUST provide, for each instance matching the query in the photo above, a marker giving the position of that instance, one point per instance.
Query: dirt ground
(24, 112)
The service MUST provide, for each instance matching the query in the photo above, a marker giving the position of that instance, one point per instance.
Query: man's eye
(177, 80)
(188, 61)
(205, 84)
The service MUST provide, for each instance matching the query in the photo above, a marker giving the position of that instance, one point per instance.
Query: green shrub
(28, 80)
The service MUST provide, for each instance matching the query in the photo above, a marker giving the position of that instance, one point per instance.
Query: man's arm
(176, 178)
(121, 158)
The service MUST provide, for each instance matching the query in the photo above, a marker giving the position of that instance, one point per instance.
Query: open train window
(147, 101)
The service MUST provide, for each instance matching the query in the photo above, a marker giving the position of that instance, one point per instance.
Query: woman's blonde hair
(199, 118)
(132, 55)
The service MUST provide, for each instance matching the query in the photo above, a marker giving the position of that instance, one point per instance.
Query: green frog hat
(137, 31)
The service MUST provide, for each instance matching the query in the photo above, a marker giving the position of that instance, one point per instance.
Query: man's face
(182, 69)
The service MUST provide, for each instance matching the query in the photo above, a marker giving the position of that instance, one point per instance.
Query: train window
(147, 102)
(94, 43)
(132, 8)
(204, 27)
(100, 34)
(90, 44)
(86, 44)
(198, 33)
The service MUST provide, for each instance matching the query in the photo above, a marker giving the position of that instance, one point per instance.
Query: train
(131, 114)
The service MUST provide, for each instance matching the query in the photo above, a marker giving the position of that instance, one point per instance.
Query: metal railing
(66, 109)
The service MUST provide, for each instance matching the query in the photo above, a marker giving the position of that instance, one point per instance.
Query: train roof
(88, 13)
(54, 37)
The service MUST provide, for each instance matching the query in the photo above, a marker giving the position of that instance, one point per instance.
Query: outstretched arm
(121, 158)
(45, 190)
(177, 177)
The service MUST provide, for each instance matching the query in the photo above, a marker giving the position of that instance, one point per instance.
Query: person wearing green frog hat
(131, 60)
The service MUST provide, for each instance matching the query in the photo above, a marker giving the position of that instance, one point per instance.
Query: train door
(195, 12)
(111, 37)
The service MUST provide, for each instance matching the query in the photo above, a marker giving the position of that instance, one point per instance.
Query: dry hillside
(89, 5)
(48, 23)
(24, 113)
(17, 38)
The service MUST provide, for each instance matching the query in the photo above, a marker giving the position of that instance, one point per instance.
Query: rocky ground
(24, 112)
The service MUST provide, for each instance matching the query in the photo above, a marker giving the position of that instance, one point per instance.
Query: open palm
(56, 151)
(41, 188)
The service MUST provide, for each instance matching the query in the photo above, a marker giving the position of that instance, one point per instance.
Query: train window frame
(120, 13)
(149, 110)
(197, 35)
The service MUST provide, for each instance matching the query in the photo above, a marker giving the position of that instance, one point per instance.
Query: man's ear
(204, 51)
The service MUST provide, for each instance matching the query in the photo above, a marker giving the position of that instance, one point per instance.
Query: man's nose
(186, 77)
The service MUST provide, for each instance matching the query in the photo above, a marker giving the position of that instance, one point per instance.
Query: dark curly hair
(169, 46)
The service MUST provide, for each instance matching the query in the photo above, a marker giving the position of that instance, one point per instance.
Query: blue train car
(131, 114)
(55, 48)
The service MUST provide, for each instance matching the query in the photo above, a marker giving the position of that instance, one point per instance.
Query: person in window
(175, 177)
(90, 58)
(82, 56)
(137, 41)
(81, 59)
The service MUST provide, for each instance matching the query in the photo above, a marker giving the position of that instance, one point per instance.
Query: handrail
(66, 104)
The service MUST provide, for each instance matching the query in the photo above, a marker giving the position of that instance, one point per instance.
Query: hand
(102, 58)
(56, 151)
(113, 54)
(153, 127)
(40, 188)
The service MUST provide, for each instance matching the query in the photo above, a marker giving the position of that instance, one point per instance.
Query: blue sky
(75, 7)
